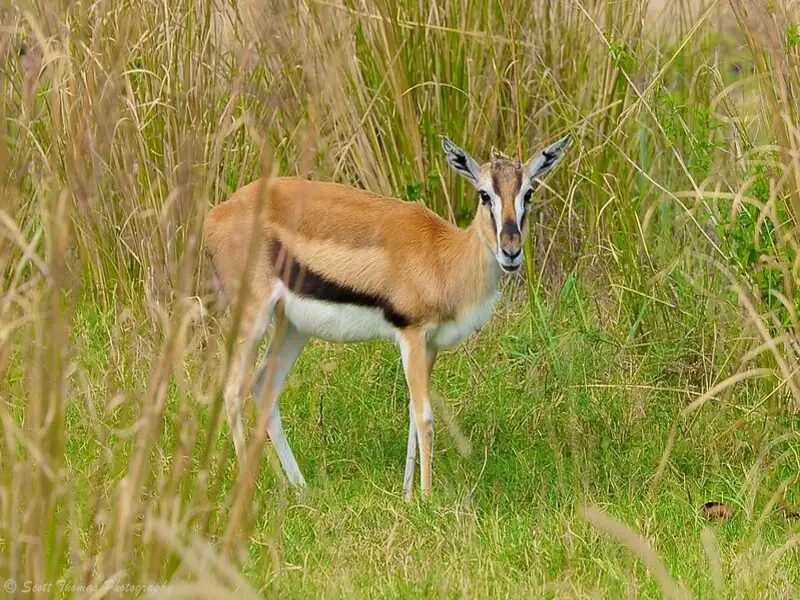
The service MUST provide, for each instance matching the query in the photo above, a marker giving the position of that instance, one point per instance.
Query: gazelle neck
(479, 265)
(471, 288)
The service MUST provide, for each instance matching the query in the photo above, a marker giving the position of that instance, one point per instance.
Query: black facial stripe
(304, 282)
(491, 217)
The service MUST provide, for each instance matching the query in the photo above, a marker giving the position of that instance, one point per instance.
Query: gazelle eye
(485, 197)
(527, 197)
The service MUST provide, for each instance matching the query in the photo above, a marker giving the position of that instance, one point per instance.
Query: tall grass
(667, 242)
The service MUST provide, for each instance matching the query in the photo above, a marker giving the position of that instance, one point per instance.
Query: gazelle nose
(511, 255)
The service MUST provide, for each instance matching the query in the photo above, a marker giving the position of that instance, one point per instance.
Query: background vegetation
(645, 363)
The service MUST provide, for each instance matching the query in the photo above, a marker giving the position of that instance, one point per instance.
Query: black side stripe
(305, 282)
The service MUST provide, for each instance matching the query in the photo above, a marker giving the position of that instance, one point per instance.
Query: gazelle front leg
(411, 449)
(418, 362)
(411, 453)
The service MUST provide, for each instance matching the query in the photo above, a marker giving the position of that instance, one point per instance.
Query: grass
(643, 364)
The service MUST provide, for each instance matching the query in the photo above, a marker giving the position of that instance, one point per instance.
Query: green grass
(552, 431)
(662, 266)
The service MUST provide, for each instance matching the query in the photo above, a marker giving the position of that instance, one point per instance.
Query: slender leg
(233, 404)
(415, 363)
(253, 326)
(411, 449)
(411, 454)
(280, 356)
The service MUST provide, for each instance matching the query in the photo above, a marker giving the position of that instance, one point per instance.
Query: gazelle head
(505, 188)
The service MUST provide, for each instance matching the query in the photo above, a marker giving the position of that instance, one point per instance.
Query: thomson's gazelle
(346, 265)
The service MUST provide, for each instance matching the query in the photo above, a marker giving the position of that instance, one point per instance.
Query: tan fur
(426, 283)
(418, 374)
(369, 266)
(429, 269)
(507, 179)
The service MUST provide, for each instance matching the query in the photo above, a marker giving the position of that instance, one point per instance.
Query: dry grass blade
(463, 444)
(215, 577)
(123, 123)
(724, 385)
(662, 465)
(715, 560)
(639, 546)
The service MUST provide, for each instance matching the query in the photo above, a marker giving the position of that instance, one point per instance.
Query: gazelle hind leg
(279, 359)
(233, 404)
(252, 328)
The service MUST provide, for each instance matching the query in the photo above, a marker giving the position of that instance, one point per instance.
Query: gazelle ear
(462, 162)
(540, 164)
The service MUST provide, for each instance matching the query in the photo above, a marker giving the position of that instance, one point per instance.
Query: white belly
(336, 322)
(452, 333)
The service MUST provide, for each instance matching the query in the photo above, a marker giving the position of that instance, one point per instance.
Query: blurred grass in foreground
(644, 364)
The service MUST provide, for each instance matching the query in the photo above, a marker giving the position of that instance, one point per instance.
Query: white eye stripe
(519, 206)
(497, 214)
(496, 208)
